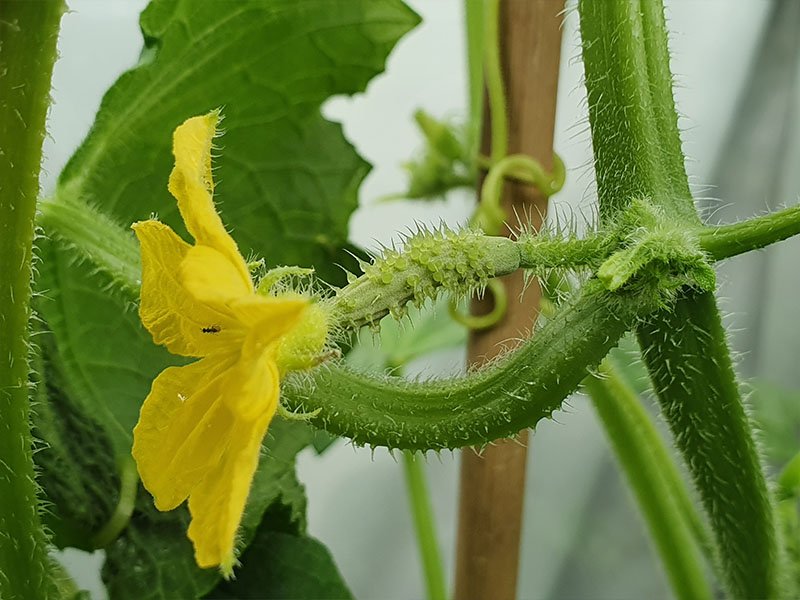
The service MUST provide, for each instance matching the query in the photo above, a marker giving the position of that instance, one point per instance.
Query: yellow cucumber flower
(200, 429)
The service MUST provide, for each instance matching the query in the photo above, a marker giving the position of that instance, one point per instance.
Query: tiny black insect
(212, 329)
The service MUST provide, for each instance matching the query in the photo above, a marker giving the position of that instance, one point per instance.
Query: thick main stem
(28, 33)
(686, 352)
(493, 484)
(638, 154)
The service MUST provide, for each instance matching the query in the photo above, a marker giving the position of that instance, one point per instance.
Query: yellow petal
(192, 184)
(272, 316)
(173, 316)
(258, 378)
(257, 369)
(218, 502)
(212, 281)
(183, 428)
(211, 278)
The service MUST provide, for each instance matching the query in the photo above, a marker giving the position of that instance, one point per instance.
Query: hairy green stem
(725, 241)
(28, 34)
(94, 237)
(686, 352)
(660, 492)
(658, 83)
(430, 261)
(637, 149)
(638, 155)
(129, 482)
(425, 526)
(474, 15)
(493, 73)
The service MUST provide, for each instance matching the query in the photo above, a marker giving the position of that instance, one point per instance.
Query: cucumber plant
(290, 180)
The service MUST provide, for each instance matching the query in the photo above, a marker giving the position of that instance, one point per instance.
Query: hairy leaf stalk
(429, 263)
(28, 33)
(725, 241)
(95, 238)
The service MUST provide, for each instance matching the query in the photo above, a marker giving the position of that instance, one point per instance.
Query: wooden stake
(493, 484)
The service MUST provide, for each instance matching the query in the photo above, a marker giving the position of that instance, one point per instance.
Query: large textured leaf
(77, 473)
(153, 559)
(287, 179)
(287, 183)
(285, 567)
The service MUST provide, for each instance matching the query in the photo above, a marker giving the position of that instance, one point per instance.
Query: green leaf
(153, 559)
(77, 472)
(107, 359)
(286, 567)
(287, 179)
(322, 440)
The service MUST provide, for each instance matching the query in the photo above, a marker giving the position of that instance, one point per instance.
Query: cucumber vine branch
(387, 411)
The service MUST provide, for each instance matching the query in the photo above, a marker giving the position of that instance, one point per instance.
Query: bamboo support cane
(493, 483)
